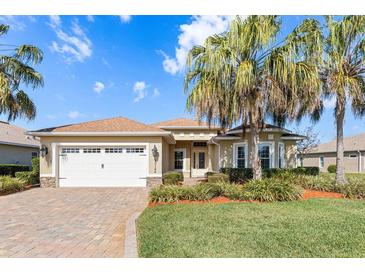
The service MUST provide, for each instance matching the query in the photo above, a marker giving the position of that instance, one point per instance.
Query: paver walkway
(67, 222)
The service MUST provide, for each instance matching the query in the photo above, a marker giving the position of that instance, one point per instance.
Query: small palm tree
(246, 75)
(344, 74)
(15, 73)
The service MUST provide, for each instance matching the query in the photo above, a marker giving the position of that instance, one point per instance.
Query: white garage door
(103, 166)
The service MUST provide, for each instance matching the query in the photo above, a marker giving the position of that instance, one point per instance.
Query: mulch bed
(308, 194)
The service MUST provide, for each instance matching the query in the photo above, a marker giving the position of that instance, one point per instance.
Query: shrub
(9, 184)
(218, 177)
(241, 175)
(30, 177)
(309, 170)
(272, 189)
(331, 168)
(321, 183)
(238, 175)
(165, 193)
(172, 178)
(10, 169)
(210, 173)
(354, 189)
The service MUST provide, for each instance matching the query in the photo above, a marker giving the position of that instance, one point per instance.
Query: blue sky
(104, 66)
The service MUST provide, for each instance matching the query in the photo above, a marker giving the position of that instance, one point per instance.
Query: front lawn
(311, 228)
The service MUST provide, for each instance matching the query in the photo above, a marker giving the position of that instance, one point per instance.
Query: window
(241, 154)
(321, 161)
(70, 150)
(281, 155)
(135, 150)
(264, 155)
(352, 155)
(201, 160)
(200, 144)
(179, 159)
(34, 154)
(113, 150)
(91, 150)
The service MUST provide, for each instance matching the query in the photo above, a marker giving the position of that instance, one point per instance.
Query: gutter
(104, 133)
(19, 145)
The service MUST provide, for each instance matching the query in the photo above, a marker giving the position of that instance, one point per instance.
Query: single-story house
(123, 152)
(325, 154)
(16, 147)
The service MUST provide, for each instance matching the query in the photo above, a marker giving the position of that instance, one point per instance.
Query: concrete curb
(130, 237)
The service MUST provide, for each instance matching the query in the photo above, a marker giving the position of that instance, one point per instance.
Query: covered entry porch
(193, 158)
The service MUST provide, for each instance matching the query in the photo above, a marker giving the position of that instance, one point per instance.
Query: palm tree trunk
(340, 170)
(254, 156)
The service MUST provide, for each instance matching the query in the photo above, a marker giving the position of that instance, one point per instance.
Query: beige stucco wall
(226, 149)
(351, 163)
(10, 154)
(165, 156)
(193, 134)
(46, 162)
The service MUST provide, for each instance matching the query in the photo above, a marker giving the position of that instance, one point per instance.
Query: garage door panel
(102, 169)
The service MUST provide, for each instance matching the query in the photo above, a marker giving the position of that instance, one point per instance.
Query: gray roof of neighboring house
(236, 132)
(13, 135)
(351, 143)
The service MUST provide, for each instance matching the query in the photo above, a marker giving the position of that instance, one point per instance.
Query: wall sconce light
(155, 155)
(44, 151)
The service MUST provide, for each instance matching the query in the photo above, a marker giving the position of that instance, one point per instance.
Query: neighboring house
(16, 147)
(123, 152)
(325, 154)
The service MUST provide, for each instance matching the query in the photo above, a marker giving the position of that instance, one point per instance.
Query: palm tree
(344, 74)
(15, 73)
(246, 75)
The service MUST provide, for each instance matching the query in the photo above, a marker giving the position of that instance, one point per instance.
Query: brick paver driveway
(67, 222)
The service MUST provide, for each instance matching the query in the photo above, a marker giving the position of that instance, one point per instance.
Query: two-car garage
(102, 166)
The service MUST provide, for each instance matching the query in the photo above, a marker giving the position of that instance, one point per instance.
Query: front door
(200, 163)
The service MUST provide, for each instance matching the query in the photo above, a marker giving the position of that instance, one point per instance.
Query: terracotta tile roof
(118, 124)
(10, 134)
(181, 122)
(351, 143)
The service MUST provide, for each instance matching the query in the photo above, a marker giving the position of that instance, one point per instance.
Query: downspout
(359, 167)
(219, 152)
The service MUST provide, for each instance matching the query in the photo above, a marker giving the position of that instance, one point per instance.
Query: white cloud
(60, 97)
(13, 21)
(156, 92)
(105, 62)
(90, 18)
(99, 87)
(125, 18)
(51, 117)
(193, 34)
(73, 45)
(330, 102)
(74, 114)
(140, 89)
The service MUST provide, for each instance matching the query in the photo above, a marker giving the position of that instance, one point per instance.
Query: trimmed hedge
(241, 175)
(331, 168)
(10, 185)
(11, 169)
(30, 177)
(172, 178)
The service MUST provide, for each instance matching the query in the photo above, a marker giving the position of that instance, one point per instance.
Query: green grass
(312, 228)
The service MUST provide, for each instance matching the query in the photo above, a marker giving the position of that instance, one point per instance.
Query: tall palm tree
(16, 72)
(344, 74)
(246, 75)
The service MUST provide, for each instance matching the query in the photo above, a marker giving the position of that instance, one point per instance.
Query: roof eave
(106, 133)
(19, 144)
(188, 127)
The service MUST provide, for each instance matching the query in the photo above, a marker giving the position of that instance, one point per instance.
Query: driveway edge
(130, 240)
